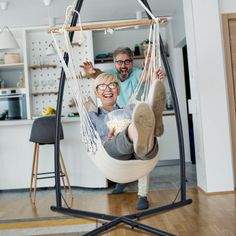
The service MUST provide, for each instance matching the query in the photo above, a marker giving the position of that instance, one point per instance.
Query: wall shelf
(34, 67)
(14, 66)
(44, 93)
(22, 89)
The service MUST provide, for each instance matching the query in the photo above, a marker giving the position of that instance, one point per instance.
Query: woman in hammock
(138, 140)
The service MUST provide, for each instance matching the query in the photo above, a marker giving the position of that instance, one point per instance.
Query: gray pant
(121, 148)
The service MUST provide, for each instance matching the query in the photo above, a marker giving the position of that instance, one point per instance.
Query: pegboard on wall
(44, 71)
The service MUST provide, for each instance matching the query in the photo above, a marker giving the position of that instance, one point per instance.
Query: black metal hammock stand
(126, 219)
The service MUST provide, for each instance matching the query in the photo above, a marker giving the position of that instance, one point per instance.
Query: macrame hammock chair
(115, 170)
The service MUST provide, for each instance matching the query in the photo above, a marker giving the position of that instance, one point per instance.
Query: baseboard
(216, 193)
(171, 162)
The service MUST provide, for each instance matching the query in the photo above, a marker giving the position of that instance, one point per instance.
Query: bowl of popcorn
(118, 120)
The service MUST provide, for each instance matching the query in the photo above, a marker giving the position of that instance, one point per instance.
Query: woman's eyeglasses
(126, 62)
(103, 87)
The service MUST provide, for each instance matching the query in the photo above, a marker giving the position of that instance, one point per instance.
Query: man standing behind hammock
(128, 77)
(124, 70)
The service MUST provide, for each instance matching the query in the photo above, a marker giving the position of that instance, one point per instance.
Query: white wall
(23, 13)
(208, 88)
(178, 26)
(177, 69)
(227, 6)
(107, 43)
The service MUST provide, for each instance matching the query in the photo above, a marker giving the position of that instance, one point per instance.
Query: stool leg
(65, 172)
(33, 169)
(36, 171)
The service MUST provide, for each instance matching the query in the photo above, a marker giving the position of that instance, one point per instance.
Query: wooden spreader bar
(109, 25)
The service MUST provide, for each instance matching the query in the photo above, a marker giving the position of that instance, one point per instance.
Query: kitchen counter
(30, 121)
(17, 153)
(63, 120)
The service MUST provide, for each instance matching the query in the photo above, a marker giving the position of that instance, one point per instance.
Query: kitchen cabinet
(13, 84)
(14, 79)
(15, 61)
(41, 73)
(10, 75)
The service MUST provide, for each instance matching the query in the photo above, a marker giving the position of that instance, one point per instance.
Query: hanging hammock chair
(93, 142)
(113, 169)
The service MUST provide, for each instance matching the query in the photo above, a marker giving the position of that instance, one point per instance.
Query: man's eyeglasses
(126, 62)
(103, 87)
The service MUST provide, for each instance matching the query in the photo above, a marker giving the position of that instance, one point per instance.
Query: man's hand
(160, 74)
(88, 68)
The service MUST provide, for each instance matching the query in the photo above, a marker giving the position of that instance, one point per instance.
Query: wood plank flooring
(207, 215)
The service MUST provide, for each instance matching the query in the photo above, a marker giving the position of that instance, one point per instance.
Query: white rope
(115, 170)
(87, 130)
(151, 63)
(156, 19)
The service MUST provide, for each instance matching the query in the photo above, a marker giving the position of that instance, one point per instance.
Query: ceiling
(34, 12)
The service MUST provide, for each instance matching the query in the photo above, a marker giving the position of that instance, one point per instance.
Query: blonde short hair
(104, 77)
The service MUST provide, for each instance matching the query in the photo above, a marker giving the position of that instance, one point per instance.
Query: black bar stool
(43, 132)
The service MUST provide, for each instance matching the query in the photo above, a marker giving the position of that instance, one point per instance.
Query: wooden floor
(207, 215)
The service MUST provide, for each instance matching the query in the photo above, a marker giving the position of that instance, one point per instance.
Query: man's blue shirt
(128, 86)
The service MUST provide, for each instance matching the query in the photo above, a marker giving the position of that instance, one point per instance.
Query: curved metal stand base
(126, 219)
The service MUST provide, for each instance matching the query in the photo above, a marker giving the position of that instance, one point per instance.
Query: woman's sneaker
(157, 102)
(143, 121)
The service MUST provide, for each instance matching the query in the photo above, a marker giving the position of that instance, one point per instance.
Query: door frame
(226, 18)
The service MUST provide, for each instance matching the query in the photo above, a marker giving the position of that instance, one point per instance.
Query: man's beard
(124, 73)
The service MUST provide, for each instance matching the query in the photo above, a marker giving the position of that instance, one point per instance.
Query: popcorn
(118, 125)
(118, 119)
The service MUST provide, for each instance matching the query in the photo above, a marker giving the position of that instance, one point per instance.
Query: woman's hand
(111, 134)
